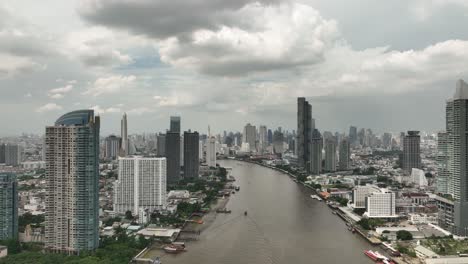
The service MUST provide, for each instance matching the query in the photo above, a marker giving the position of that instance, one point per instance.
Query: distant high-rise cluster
(72, 177)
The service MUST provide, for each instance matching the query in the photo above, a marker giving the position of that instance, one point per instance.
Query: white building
(380, 204)
(141, 184)
(360, 193)
(418, 177)
(423, 219)
(211, 152)
(144, 215)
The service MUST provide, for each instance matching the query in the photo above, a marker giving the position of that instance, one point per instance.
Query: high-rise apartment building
(173, 156)
(411, 151)
(112, 147)
(262, 138)
(175, 124)
(353, 137)
(211, 151)
(13, 154)
(304, 133)
(8, 206)
(443, 174)
(191, 154)
(2, 153)
(250, 136)
(124, 145)
(344, 154)
(161, 145)
(141, 184)
(330, 155)
(72, 183)
(316, 147)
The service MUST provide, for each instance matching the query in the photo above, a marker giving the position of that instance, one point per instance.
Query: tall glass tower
(72, 175)
(8, 206)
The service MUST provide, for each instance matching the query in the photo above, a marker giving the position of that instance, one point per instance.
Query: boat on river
(174, 248)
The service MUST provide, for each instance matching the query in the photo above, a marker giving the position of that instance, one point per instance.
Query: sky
(385, 65)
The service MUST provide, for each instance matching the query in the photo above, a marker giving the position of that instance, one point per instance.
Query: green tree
(128, 215)
(404, 235)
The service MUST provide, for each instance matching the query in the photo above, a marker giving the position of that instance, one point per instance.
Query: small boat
(174, 249)
(377, 257)
(245, 213)
(223, 211)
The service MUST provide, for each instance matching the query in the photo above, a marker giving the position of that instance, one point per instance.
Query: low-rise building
(381, 204)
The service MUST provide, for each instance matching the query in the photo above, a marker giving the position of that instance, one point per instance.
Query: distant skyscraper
(250, 136)
(141, 185)
(161, 145)
(191, 154)
(353, 135)
(330, 155)
(8, 206)
(278, 142)
(72, 183)
(304, 133)
(411, 151)
(2, 153)
(211, 152)
(173, 157)
(13, 154)
(175, 124)
(387, 140)
(262, 138)
(112, 147)
(344, 154)
(316, 147)
(124, 136)
(270, 136)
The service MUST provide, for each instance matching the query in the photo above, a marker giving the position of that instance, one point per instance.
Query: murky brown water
(284, 225)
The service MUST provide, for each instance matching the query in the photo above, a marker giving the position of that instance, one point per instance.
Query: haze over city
(387, 65)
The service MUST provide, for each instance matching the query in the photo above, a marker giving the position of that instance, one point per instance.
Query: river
(283, 225)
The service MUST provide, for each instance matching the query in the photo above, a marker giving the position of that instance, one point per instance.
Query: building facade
(112, 147)
(124, 145)
(344, 154)
(13, 154)
(141, 184)
(411, 151)
(250, 136)
(211, 152)
(316, 147)
(8, 206)
(380, 204)
(174, 124)
(161, 145)
(330, 155)
(72, 183)
(173, 156)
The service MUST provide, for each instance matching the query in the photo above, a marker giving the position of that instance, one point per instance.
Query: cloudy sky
(387, 65)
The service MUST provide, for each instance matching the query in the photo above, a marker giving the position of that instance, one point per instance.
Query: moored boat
(174, 249)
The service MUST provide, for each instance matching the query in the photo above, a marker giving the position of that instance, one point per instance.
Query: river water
(283, 225)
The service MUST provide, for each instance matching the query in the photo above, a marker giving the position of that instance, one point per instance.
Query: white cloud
(111, 84)
(64, 89)
(49, 107)
(11, 65)
(100, 110)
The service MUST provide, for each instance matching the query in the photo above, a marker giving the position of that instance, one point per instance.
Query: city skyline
(69, 58)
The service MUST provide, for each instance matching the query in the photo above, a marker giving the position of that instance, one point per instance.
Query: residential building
(442, 158)
(13, 154)
(250, 136)
(330, 155)
(211, 151)
(112, 147)
(161, 145)
(175, 124)
(173, 157)
(141, 184)
(2, 153)
(124, 145)
(304, 133)
(8, 206)
(191, 154)
(72, 183)
(316, 147)
(344, 154)
(411, 151)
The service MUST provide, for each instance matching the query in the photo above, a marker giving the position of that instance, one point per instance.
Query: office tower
(387, 140)
(442, 158)
(278, 142)
(8, 206)
(411, 151)
(72, 183)
(13, 154)
(270, 137)
(304, 133)
(124, 136)
(2, 153)
(173, 157)
(457, 140)
(161, 145)
(112, 147)
(330, 155)
(353, 135)
(316, 147)
(175, 124)
(250, 136)
(362, 137)
(344, 154)
(141, 184)
(211, 152)
(191, 154)
(262, 138)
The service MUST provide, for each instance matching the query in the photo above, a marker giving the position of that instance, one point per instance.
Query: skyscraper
(124, 136)
(262, 138)
(141, 184)
(411, 151)
(175, 124)
(278, 142)
(344, 154)
(353, 135)
(270, 136)
(330, 155)
(250, 136)
(161, 145)
(173, 156)
(211, 151)
(8, 206)
(112, 147)
(316, 147)
(442, 158)
(72, 183)
(2, 153)
(191, 154)
(13, 154)
(304, 132)
(457, 157)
